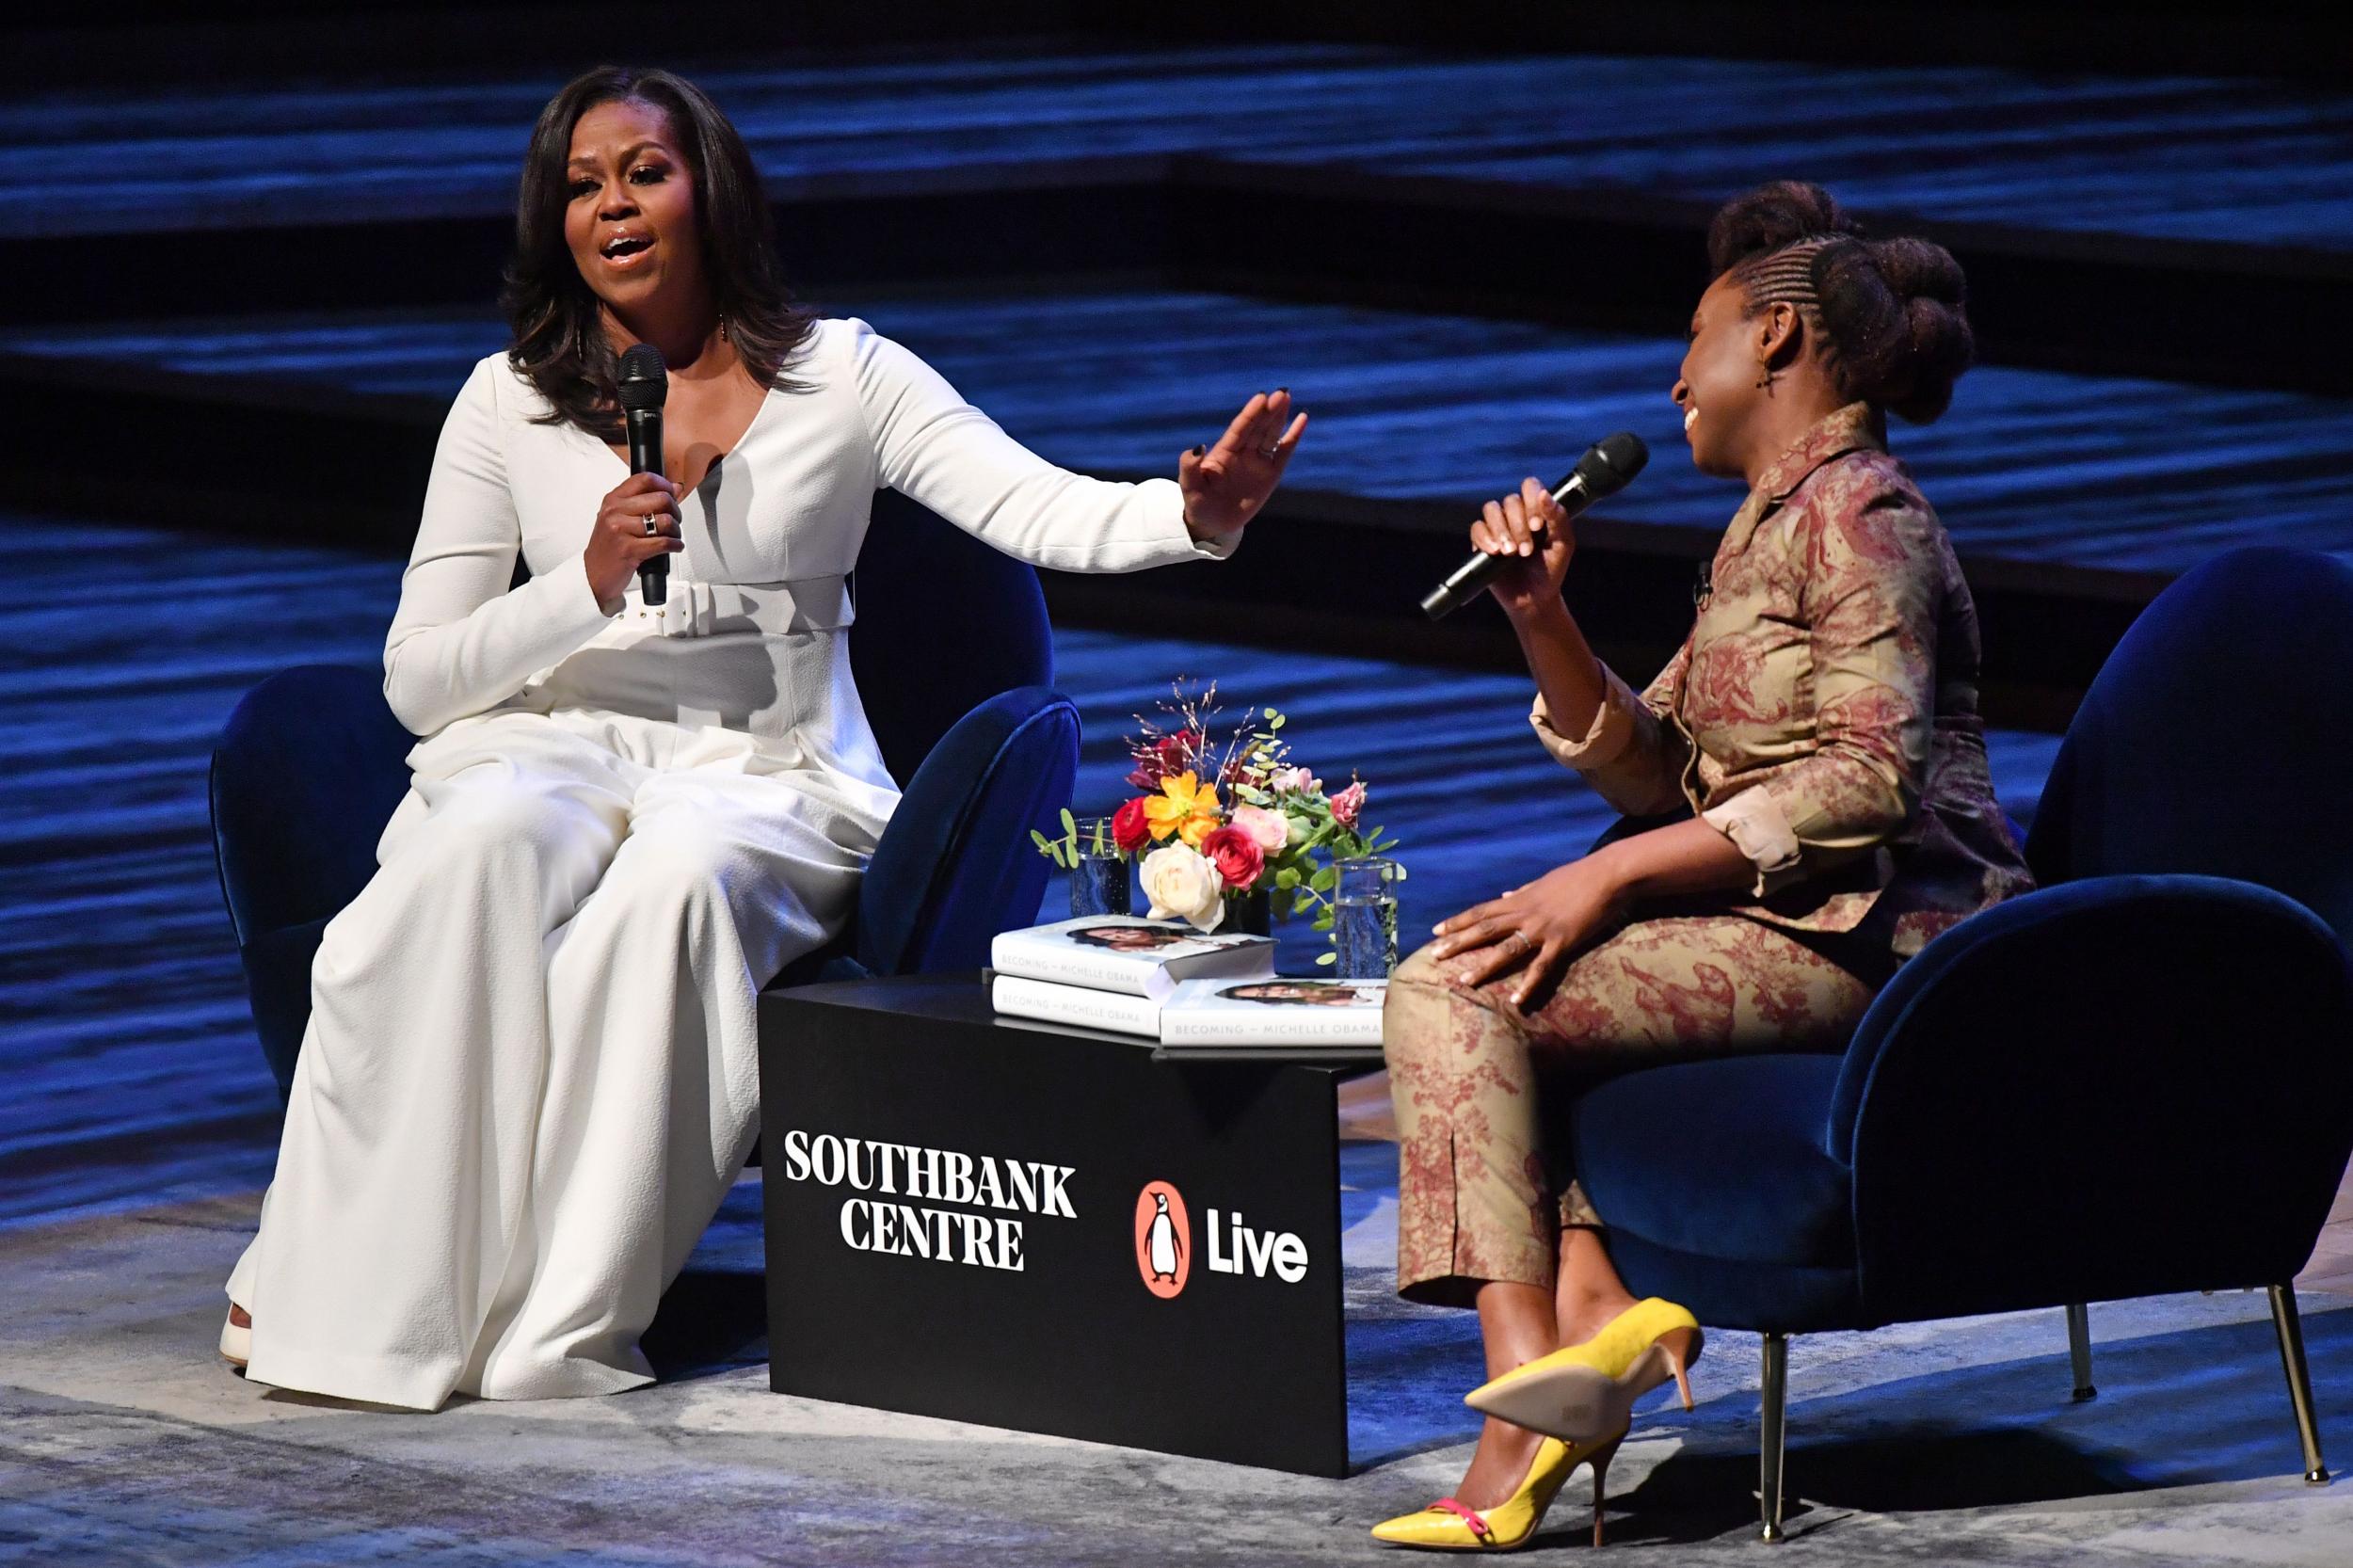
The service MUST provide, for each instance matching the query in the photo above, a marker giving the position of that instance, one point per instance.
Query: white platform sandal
(236, 1343)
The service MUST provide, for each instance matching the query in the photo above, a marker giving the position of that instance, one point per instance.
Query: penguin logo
(1163, 1240)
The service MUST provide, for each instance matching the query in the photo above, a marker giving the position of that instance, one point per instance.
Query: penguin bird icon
(1161, 1248)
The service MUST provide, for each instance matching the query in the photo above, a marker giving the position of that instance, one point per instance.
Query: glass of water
(1099, 881)
(1364, 918)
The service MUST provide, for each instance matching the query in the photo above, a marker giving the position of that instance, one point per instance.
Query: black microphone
(645, 386)
(1606, 468)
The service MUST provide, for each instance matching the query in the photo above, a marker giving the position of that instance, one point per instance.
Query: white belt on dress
(696, 609)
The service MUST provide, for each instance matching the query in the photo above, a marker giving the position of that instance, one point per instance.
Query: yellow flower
(1184, 806)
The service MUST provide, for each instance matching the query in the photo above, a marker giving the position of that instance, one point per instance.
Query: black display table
(1053, 1228)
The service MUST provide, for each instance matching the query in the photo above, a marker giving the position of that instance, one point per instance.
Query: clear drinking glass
(1100, 883)
(1364, 918)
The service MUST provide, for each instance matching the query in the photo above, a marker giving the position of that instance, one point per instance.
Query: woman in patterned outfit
(1820, 722)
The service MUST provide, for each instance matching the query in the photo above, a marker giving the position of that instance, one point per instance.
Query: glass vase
(1364, 918)
(1252, 913)
(1100, 883)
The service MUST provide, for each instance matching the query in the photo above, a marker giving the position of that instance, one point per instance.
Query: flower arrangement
(1276, 829)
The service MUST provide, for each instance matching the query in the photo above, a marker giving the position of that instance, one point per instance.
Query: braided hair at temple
(1890, 314)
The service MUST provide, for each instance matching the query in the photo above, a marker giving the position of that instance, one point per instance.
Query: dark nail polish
(1201, 450)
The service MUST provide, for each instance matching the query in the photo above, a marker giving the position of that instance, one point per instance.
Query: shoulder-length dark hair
(557, 336)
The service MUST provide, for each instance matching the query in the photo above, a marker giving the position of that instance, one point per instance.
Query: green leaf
(1287, 878)
(1070, 824)
(1323, 879)
(1327, 958)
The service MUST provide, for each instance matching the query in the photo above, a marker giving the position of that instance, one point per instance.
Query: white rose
(1179, 881)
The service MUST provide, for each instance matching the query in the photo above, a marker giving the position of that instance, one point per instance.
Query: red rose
(1130, 828)
(1164, 759)
(1236, 855)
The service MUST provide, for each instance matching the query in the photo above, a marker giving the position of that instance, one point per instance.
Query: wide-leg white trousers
(531, 1071)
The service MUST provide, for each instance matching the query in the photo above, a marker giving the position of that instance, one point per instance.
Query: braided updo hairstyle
(1891, 312)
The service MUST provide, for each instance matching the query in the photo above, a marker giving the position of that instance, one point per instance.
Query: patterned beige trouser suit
(1823, 714)
(1482, 1193)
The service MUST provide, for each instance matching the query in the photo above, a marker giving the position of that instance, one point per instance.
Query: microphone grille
(645, 380)
(1610, 464)
(1625, 452)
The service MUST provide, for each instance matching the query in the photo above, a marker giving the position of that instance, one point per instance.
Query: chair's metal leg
(2291, 1329)
(2079, 1348)
(1770, 1443)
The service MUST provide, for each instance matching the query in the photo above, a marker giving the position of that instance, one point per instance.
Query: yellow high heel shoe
(1447, 1526)
(1582, 1392)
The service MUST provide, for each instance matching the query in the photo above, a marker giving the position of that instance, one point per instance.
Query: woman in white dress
(530, 1072)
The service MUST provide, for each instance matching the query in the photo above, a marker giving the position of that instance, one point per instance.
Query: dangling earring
(1765, 376)
(723, 327)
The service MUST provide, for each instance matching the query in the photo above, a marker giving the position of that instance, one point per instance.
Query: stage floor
(122, 1439)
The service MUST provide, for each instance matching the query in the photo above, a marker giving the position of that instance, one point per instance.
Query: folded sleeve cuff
(1758, 827)
(1216, 550)
(1604, 740)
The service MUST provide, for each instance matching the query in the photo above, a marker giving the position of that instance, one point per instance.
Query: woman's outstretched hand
(1226, 485)
(1536, 538)
(1536, 928)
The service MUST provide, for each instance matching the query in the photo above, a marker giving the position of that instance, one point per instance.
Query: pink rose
(1347, 804)
(1297, 780)
(1236, 855)
(1266, 828)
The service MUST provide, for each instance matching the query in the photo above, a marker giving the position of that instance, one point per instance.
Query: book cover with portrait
(1270, 1011)
(1129, 953)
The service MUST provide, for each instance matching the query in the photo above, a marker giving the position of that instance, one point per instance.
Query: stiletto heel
(1602, 1456)
(1682, 1348)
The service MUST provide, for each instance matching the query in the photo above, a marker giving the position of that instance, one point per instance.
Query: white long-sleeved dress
(531, 1071)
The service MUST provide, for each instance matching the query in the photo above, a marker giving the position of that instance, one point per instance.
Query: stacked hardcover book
(1173, 983)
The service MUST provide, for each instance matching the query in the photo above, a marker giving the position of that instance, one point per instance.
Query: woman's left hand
(1226, 485)
(1541, 925)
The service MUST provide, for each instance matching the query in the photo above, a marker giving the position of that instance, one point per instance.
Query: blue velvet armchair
(2171, 1012)
(954, 660)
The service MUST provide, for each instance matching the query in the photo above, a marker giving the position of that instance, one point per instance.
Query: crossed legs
(1488, 1213)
